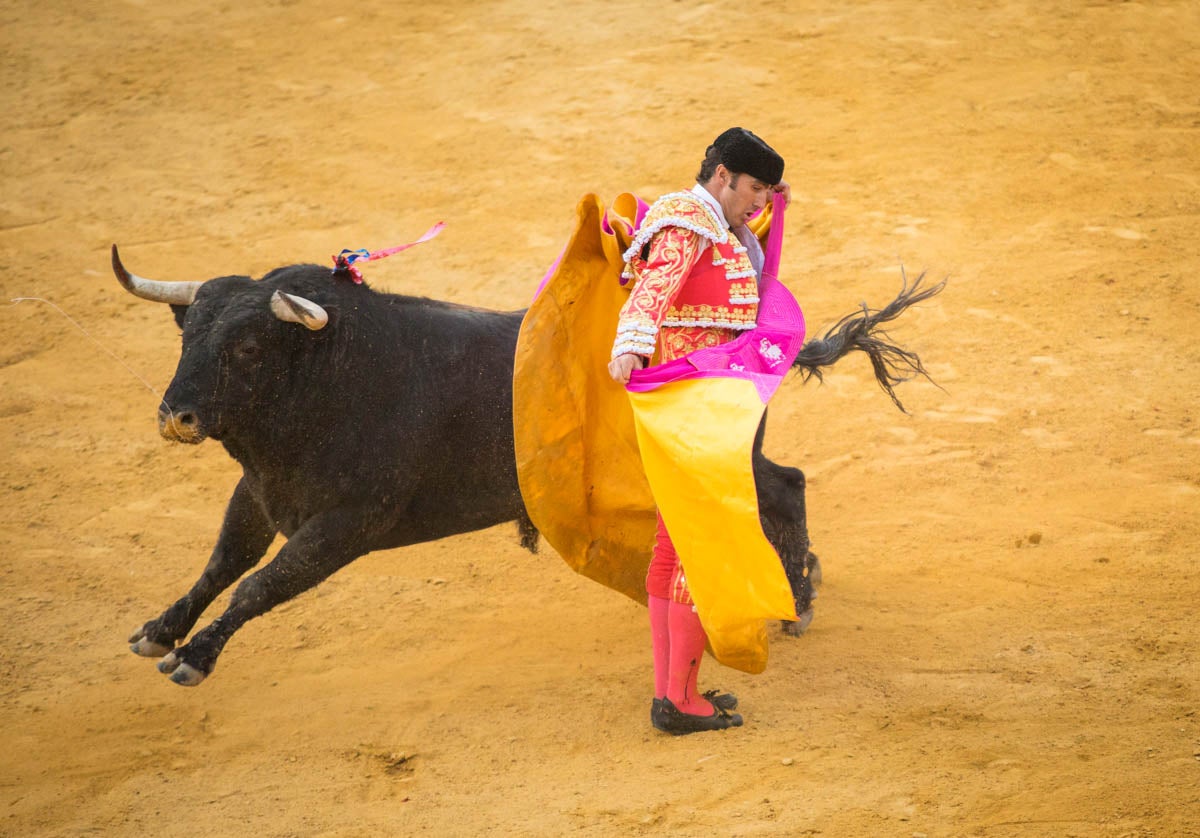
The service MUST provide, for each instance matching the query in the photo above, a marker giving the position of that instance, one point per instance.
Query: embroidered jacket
(694, 283)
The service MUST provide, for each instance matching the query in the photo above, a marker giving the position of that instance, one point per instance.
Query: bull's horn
(175, 293)
(293, 309)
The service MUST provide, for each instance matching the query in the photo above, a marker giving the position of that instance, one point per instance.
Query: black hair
(708, 166)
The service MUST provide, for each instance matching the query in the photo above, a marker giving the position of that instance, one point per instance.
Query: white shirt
(713, 204)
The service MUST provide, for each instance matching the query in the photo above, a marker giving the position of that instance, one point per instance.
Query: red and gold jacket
(694, 284)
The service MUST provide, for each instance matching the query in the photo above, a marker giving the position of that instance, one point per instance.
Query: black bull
(366, 421)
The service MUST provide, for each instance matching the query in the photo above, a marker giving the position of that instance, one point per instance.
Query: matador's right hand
(621, 366)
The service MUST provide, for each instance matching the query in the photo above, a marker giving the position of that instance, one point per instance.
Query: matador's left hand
(783, 187)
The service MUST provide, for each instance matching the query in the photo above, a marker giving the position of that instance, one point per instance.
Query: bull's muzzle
(180, 425)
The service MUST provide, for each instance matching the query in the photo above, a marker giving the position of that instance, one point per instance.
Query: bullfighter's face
(740, 195)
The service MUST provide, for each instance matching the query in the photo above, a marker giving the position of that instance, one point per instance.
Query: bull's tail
(892, 364)
(528, 532)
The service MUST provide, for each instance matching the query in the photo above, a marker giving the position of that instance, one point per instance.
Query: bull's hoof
(142, 645)
(187, 676)
(181, 673)
(797, 628)
(169, 663)
(148, 649)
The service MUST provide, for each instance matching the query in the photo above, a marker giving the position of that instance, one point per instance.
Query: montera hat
(743, 151)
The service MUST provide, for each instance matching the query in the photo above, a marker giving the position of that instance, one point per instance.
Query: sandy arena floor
(1006, 642)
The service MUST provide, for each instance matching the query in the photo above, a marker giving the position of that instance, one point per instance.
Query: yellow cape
(696, 438)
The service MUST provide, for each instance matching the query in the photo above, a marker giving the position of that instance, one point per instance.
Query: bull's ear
(180, 312)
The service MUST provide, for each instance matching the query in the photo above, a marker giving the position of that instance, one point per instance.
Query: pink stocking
(687, 639)
(660, 638)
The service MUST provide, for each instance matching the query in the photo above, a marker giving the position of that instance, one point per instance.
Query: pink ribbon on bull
(345, 261)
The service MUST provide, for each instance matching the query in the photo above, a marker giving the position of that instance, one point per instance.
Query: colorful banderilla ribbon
(345, 261)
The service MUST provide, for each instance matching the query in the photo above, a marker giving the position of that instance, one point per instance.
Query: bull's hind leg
(320, 547)
(245, 536)
(784, 521)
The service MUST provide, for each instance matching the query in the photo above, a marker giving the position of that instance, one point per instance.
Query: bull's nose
(181, 425)
(187, 418)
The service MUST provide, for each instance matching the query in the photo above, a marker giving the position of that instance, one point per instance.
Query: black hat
(743, 151)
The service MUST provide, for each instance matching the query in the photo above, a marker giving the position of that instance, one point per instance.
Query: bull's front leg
(323, 545)
(245, 536)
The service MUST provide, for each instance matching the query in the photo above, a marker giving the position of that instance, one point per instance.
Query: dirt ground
(1006, 641)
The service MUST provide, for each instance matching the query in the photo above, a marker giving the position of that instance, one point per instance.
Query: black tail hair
(892, 364)
(528, 532)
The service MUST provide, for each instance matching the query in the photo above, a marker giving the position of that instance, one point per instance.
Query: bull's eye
(247, 351)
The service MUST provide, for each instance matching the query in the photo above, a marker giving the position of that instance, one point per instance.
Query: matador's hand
(783, 187)
(621, 366)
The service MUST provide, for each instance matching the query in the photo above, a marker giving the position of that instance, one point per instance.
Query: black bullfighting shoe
(677, 723)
